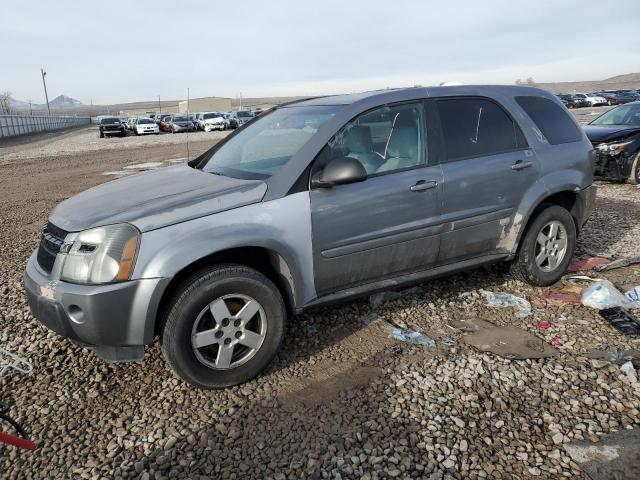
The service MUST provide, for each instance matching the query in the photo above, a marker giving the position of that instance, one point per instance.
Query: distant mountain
(61, 102)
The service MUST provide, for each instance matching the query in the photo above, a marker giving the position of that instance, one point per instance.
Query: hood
(605, 133)
(156, 199)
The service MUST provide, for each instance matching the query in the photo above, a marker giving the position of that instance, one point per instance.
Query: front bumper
(586, 203)
(114, 320)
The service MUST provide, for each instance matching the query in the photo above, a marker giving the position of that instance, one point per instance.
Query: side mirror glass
(339, 171)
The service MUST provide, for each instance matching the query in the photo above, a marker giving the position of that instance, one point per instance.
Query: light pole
(46, 95)
(159, 105)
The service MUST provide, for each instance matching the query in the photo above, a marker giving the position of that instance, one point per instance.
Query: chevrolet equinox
(316, 201)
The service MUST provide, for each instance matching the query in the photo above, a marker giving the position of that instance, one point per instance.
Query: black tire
(192, 297)
(634, 173)
(524, 266)
(101, 134)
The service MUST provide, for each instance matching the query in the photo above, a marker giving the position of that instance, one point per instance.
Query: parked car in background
(596, 100)
(244, 116)
(572, 101)
(129, 123)
(319, 201)
(230, 120)
(180, 123)
(193, 117)
(163, 123)
(145, 126)
(111, 126)
(211, 121)
(626, 96)
(615, 136)
(610, 97)
(590, 101)
(162, 117)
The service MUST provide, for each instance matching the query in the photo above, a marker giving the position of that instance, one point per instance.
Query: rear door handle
(423, 185)
(520, 165)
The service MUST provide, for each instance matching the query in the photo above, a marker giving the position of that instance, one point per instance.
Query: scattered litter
(565, 294)
(621, 320)
(579, 278)
(615, 456)
(370, 318)
(633, 295)
(378, 299)
(144, 166)
(509, 342)
(503, 300)
(629, 370)
(555, 341)
(11, 360)
(622, 262)
(395, 349)
(544, 325)
(603, 294)
(617, 356)
(411, 336)
(448, 341)
(579, 265)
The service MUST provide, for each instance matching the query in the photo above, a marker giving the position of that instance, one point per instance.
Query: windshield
(263, 146)
(210, 115)
(623, 115)
(145, 120)
(109, 120)
(180, 119)
(245, 114)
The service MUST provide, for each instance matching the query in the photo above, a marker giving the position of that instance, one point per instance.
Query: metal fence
(14, 125)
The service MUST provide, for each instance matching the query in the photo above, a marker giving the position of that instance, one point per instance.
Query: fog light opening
(76, 313)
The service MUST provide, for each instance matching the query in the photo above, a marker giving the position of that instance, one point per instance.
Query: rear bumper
(114, 320)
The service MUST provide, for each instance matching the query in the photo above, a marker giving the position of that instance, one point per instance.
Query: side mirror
(339, 171)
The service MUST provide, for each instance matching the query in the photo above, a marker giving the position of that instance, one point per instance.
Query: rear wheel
(101, 134)
(223, 326)
(634, 174)
(546, 247)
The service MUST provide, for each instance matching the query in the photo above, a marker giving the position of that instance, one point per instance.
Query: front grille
(52, 239)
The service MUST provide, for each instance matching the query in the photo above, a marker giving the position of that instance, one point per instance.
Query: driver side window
(383, 140)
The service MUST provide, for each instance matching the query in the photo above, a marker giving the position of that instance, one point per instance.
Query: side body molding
(282, 226)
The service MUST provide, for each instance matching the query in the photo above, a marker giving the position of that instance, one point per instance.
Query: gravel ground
(342, 399)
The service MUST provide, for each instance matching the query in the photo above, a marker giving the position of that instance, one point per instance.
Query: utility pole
(240, 101)
(30, 108)
(46, 95)
(159, 105)
(187, 102)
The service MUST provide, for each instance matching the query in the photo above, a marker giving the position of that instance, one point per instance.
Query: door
(388, 224)
(487, 169)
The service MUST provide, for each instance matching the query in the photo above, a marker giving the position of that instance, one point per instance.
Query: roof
(397, 94)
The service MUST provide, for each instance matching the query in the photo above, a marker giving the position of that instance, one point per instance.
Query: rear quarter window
(552, 120)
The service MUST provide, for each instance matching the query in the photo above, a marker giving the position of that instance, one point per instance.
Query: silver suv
(317, 201)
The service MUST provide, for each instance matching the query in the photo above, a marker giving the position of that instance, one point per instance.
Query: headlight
(613, 148)
(101, 255)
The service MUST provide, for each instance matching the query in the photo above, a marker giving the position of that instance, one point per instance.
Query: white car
(146, 125)
(592, 98)
(208, 121)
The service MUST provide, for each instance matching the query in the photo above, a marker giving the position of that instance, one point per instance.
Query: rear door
(487, 169)
(390, 223)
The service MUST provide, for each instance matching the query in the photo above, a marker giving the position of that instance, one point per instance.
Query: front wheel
(223, 326)
(546, 247)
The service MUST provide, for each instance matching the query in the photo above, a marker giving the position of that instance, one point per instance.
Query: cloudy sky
(118, 51)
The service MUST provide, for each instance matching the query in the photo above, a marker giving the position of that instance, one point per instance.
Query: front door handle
(423, 185)
(520, 165)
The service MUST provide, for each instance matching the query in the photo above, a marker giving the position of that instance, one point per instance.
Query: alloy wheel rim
(551, 246)
(229, 331)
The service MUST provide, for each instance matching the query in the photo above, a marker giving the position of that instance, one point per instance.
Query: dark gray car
(317, 201)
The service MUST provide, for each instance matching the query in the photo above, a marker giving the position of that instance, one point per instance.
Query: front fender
(282, 226)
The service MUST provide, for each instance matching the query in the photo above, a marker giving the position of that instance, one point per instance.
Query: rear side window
(552, 120)
(474, 127)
